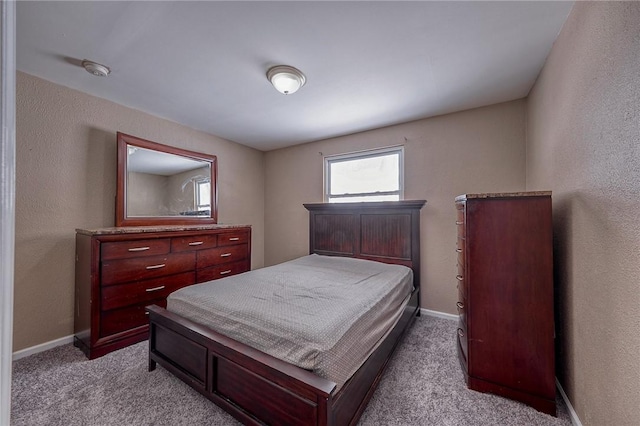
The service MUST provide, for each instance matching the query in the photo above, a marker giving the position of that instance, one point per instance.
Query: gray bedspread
(321, 313)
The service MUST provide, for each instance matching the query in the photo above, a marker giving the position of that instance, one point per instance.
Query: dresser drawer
(221, 271)
(462, 311)
(198, 242)
(460, 220)
(463, 339)
(462, 294)
(127, 318)
(462, 357)
(460, 210)
(461, 267)
(141, 268)
(117, 296)
(136, 248)
(231, 238)
(461, 284)
(220, 255)
(460, 256)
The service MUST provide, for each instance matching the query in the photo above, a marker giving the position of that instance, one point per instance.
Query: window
(203, 195)
(376, 175)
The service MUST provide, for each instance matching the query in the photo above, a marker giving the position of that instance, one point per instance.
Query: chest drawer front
(137, 248)
(462, 357)
(128, 270)
(460, 220)
(461, 283)
(198, 242)
(460, 254)
(462, 310)
(221, 271)
(230, 238)
(220, 255)
(125, 319)
(117, 296)
(463, 340)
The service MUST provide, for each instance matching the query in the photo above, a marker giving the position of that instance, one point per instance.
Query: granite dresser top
(504, 195)
(114, 230)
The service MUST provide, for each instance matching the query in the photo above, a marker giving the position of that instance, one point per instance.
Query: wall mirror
(163, 185)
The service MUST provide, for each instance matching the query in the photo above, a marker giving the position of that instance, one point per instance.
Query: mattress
(321, 313)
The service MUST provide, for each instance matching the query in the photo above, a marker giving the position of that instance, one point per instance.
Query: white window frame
(329, 159)
(198, 206)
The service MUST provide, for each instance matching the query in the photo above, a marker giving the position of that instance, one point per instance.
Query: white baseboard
(575, 420)
(69, 339)
(438, 314)
(42, 347)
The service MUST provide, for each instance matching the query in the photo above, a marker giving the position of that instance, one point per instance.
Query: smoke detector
(95, 68)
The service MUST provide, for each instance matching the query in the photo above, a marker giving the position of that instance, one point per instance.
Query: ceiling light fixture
(286, 79)
(95, 68)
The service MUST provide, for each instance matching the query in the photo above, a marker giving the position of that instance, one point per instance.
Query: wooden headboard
(386, 231)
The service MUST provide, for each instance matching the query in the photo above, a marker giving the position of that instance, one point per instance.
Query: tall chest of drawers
(119, 271)
(505, 336)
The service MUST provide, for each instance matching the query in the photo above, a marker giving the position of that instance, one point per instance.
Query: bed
(258, 388)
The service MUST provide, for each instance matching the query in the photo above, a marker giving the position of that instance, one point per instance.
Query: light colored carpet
(423, 385)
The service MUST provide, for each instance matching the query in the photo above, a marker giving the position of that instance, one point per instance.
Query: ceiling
(368, 64)
(143, 160)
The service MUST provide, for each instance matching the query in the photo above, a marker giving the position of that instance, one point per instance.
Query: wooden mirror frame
(123, 140)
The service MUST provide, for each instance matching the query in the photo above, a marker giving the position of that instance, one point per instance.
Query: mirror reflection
(159, 184)
(164, 184)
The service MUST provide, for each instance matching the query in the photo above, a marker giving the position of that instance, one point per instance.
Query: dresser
(505, 336)
(121, 270)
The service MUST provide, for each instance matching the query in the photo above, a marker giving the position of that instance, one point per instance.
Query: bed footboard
(257, 388)
(251, 385)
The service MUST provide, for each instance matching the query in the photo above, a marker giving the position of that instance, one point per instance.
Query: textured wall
(66, 179)
(480, 150)
(583, 142)
(181, 190)
(145, 193)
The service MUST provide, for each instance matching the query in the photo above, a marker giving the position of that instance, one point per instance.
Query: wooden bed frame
(257, 388)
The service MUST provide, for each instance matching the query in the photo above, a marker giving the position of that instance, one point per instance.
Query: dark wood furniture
(259, 389)
(505, 296)
(119, 271)
(161, 160)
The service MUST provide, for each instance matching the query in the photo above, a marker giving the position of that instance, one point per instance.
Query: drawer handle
(460, 305)
(162, 265)
(228, 271)
(234, 239)
(458, 222)
(139, 248)
(460, 332)
(225, 255)
(458, 250)
(459, 277)
(154, 289)
(196, 243)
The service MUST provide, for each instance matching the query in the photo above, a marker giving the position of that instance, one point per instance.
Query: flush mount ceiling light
(286, 79)
(95, 68)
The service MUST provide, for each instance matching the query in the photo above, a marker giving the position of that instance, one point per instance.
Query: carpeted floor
(423, 385)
